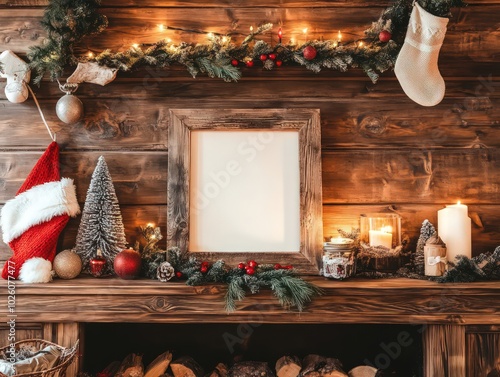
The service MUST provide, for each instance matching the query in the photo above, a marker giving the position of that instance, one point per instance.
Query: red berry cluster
(263, 58)
(278, 266)
(204, 267)
(249, 267)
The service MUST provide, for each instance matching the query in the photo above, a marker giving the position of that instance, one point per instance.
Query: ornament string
(52, 134)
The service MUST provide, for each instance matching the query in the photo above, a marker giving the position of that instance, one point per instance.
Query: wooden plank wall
(381, 151)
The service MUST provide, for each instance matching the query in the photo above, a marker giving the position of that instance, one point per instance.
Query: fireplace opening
(395, 349)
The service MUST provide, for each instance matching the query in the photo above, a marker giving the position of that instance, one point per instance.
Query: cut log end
(186, 366)
(363, 371)
(288, 366)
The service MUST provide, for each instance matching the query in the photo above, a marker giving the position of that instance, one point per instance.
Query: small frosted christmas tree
(101, 226)
(426, 232)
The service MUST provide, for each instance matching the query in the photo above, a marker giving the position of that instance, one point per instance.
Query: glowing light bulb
(168, 40)
(135, 45)
(335, 44)
(280, 34)
(292, 41)
(90, 54)
(224, 39)
(251, 29)
(161, 27)
(210, 35)
(339, 36)
(304, 30)
(150, 225)
(360, 44)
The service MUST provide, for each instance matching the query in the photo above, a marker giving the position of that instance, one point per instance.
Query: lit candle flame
(339, 38)
(280, 33)
(458, 203)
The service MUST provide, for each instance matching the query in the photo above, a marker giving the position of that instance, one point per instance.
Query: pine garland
(68, 21)
(290, 290)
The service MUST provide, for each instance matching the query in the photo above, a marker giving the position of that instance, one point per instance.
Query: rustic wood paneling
(22, 330)
(444, 351)
(418, 176)
(226, 3)
(138, 177)
(350, 119)
(484, 350)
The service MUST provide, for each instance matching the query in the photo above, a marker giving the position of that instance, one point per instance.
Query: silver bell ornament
(69, 108)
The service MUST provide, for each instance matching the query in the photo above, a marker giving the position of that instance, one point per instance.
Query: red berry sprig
(263, 57)
(204, 267)
(234, 62)
(178, 274)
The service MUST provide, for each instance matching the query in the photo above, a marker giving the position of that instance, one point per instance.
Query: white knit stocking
(417, 63)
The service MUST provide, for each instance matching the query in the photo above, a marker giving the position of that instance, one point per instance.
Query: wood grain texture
(444, 351)
(305, 121)
(352, 301)
(418, 176)
(138, 177)
(483, 349)
(22, 331)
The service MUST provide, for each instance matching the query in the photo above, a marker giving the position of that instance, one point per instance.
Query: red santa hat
(32, 221)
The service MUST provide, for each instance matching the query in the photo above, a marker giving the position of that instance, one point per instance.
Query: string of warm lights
(220, 56)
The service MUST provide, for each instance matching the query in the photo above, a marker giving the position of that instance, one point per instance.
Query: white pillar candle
(454, 228)
(380, 238)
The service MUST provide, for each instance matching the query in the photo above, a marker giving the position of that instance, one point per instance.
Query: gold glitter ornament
(67, 264)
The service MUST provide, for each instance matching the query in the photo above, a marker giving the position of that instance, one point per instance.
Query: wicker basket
(65, 360)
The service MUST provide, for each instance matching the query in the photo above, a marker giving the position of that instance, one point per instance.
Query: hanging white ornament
(69, 108)
(18, 74)
(93, 73)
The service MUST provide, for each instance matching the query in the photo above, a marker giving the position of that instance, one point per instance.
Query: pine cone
(165, 272)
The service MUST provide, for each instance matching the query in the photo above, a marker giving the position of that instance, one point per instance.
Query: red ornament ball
(241, 266)
(249, 270)
(279, 63)
(277, 266)
(127, 264)
(272, 56)
(204, 269)
(249, 63)
(288, 267)
(263, 57)
(178, 274)
(252, 264)
(206, 264)
(234, 62)
(97, 265)
(384, 36)
(309, 52)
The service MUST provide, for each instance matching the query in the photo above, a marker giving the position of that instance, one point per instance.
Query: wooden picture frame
(305, 121)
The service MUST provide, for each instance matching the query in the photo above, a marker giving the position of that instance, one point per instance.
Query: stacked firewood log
(185, 366)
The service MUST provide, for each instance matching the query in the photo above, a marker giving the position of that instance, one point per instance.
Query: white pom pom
(36, 270)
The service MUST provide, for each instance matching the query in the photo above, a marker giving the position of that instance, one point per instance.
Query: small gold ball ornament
(67, 264)
(69, 108)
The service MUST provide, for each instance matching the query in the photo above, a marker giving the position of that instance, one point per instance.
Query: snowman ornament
(17, 73)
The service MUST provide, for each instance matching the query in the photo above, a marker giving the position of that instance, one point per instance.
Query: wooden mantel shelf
(396, 301)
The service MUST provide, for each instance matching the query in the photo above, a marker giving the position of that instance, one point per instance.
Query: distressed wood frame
(305, 121)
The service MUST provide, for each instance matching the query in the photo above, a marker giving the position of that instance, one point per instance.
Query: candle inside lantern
(382, 237)
(454, 228)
